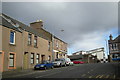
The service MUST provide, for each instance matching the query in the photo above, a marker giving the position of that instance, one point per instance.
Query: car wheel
(60, 65)
(65, 65)
(52, 67)
(45, 68)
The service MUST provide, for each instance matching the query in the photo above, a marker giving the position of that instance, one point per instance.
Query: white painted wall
(100, 55)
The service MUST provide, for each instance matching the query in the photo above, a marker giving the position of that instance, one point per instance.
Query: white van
(68, 62)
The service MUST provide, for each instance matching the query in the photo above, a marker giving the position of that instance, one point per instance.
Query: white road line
(47, 74)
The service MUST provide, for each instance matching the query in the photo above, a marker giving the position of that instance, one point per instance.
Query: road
(96, 70)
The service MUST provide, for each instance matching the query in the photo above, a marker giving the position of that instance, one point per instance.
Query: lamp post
(107, 49)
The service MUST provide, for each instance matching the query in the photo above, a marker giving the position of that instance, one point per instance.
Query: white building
(99, 52)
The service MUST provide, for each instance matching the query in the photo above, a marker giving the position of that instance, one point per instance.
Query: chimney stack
(37, 25)
(110, 36)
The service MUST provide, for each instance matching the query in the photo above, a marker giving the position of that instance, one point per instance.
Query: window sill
(11, 67)
(12, 44)
(35, 47)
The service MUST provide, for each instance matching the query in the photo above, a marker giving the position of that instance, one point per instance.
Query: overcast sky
(86, 25)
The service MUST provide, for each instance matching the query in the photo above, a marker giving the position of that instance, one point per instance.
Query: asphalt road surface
(97, 70)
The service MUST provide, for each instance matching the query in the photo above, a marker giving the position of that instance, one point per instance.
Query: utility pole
(107, 50)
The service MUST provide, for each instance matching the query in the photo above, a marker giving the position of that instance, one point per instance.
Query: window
(35, 41)
(12, 37)
(37, 58)
(29, 39)
(114, 46)
(12, 59)
(49, 45)
(49, 58)
(32, 58)
(111, 46)
(57, 44)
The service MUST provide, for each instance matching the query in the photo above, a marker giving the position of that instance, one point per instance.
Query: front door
(42, 58)
(1, 61)
(26, 60)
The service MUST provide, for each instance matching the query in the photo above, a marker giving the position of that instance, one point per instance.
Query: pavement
(84, 71)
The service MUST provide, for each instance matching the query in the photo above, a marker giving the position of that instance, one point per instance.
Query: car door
(48, 65)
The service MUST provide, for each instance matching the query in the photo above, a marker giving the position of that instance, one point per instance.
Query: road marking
(90, 76)
(107, 76)
(97, 76)
(114, 76)
(47, 74)
(83, 75)
(101, 76)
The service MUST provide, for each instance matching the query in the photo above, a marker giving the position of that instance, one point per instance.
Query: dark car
(44, 65)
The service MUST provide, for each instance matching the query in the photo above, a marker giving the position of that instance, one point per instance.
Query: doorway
(42, 58)
(1, 61)
(26, 60)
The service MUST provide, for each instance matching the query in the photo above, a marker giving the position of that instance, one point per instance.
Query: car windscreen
(57, 59)
(45, 62)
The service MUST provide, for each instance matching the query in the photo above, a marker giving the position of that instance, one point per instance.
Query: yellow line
(101, 76)
(107, 76)
(90, 76)
(97, 76)
(114, 76)
(83, 75)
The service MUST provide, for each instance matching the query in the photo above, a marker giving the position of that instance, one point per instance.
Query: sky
(86, 25)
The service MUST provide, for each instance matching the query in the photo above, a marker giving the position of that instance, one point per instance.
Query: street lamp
(107, 49)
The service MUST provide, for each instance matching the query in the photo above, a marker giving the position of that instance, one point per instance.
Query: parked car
(44, 65)
(78, 62)
(59, 62)
(68, 62)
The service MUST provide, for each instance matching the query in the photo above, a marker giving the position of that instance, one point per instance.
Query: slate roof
(116, 40)
(24, 27)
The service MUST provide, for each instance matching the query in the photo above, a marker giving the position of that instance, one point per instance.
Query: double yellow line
(99, 76)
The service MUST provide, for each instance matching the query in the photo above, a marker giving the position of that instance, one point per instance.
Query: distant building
(91, 56)
(99, 53)
(80, 52)
(114, 47)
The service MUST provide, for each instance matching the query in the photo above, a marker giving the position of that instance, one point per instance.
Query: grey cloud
(76, 19)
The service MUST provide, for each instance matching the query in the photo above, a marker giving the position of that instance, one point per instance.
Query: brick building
(22, 46)
(114, 47)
